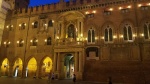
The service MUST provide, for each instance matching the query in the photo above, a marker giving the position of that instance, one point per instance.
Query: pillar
(38, 71)
(10, 71)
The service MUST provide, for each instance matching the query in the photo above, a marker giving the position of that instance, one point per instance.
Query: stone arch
(31, 67)
(141, 23)
(17, 67)
(108, 24)
(46, 66)
(132, 29)
(5, 67)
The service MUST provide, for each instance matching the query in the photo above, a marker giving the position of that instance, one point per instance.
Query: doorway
(69, 66)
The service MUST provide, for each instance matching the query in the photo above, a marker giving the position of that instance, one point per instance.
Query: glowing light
(134, 35)
(120, 8)
(129, 7)
(19, 25)
(53, 21)
(17, 41)
(94, 11)
(4, 42)
(139, 5)
(32, 23)
(121, 36)
(142, 35)
(31, 41)
(87, 12)
(114, 36)
(45, 40)
(148, 4)
(111, 9)
(102, 37)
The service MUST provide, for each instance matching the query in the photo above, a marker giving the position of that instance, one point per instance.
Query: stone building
(95, 39)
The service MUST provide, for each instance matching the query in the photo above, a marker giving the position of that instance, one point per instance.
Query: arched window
(50, 23)
(48, 41)
(34, 42)
(91, 36)
(23, 25)
(10, 28)
(71, 31)
(147, 30)
(21, 43)
(8, 44)
(127, 32)
(108, 34)
(35, 24)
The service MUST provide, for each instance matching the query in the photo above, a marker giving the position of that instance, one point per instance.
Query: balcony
(68, 43)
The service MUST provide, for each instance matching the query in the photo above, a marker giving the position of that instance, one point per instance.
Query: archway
(69, 65)
(17, 67)
(5, 67)
(31, 68)
(46, 66)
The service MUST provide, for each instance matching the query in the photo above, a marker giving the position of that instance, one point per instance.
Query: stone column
(58, 62)
(54, 62)
(80, 62)
(76, 63)
(38, 71)
(10, 71)
(80, 65)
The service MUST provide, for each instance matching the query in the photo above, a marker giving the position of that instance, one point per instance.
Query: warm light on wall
(134, 35)
(57, 37)
(129, 7)
(142, 35)
(7, 26)
(96, 38)
(139, 5)
(120, 8)
(94, 11)
(17, 41)
(121, 36)
(148, 4)
(114, 36)
(53, 21)
(19, 25)
(86, 39)
(102, 37)
(32, 23)
(4, 42)
(87, 12)
(110, 9)
(45, 40)
(31, 41)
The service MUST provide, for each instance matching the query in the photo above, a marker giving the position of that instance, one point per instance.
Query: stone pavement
(11, 80)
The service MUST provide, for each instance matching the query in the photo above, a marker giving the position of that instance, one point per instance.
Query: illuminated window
(35, 24)
(21, 42)
(127, 31)
(34, 42)
(22, 26)
(50, 23)
(91, 36)
(108, 34)
(48, 42)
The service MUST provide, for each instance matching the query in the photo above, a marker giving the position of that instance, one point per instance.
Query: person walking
(74, 78)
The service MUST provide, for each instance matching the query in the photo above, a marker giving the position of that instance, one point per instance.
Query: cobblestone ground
(8, 80)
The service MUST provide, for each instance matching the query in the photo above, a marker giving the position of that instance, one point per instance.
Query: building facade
(94, 39)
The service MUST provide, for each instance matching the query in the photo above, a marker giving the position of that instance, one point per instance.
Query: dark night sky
(42, 2)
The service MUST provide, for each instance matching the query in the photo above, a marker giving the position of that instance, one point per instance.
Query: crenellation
(73, 5)
(106, 31)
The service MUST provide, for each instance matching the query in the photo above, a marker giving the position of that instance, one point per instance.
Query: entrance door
(69, 66)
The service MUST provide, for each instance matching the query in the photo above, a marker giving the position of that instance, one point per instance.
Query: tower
(17, 4)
